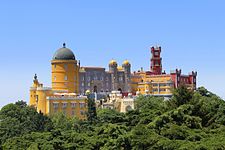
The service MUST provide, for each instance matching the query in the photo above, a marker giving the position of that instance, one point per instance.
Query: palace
(70, 82)
(158, 83)
(63, 96)
(97, 79)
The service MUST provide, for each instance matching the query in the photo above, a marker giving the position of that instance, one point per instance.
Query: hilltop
(189, 120)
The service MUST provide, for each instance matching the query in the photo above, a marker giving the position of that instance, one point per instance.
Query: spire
(64, 45)
(35, 76)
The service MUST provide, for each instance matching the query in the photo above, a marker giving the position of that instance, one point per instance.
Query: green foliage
(61, 122)
(17, 119)
(92, 114)
(149, 107)
(110, 116)
(143, 137)
(181, 96)
(189, 120)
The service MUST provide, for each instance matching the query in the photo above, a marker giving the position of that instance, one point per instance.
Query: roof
(92, 67)
(64, 54)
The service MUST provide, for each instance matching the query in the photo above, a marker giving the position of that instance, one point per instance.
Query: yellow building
(158, 83)
(65, 71)
(62, 97)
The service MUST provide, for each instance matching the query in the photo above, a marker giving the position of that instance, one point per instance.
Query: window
(120, 78)
(82, 105)
(155, 90)
(65, 78)
(82, 84)
(64, 105)
(162, 90)
(73, 105)
(36, 98)
(75, 78)
(162, 84)
(55, 105)
(65, 66)
(54, 78)
(156, 53)
(156, 63)
(88, 78)
(54, 66)
(155, 84)
(89, 84)
(169, 84)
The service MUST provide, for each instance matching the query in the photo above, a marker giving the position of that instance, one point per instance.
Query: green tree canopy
(17, 119)
(189, 120)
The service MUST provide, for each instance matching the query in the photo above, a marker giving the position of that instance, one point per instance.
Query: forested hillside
(189, 120)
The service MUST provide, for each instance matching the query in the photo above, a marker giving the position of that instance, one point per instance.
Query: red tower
(156, 61)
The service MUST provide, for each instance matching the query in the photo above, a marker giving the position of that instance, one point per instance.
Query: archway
(119, 89)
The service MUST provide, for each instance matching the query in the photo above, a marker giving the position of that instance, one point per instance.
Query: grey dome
(64, 54)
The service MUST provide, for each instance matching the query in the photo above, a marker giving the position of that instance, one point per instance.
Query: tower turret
(156, 61)
(192, 77)
(65, 71)
(114, 73)
(127, 74)
(33, 89)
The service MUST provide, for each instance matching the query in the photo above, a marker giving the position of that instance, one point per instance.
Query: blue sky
(191, 34)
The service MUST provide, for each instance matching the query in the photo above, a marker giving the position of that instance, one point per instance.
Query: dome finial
(35, 76)
(64, 45)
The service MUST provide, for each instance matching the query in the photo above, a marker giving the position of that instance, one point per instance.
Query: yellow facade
(49, 102)
(33, 89)
(135, 79)
(62, 96)
(71, 106)
(65, 76)
(152, 84)
(38, 95)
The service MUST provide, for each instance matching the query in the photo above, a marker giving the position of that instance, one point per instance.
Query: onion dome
(64, 54)
(113, 62)
(126, 62)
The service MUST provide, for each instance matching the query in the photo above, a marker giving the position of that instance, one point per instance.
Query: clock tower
(156, 61)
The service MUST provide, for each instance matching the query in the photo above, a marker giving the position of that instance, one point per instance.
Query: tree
(181, 96)
(91, 114)
(62, 122)
(110, 116)
(190, 120)
(18, 119)
(149, 107)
